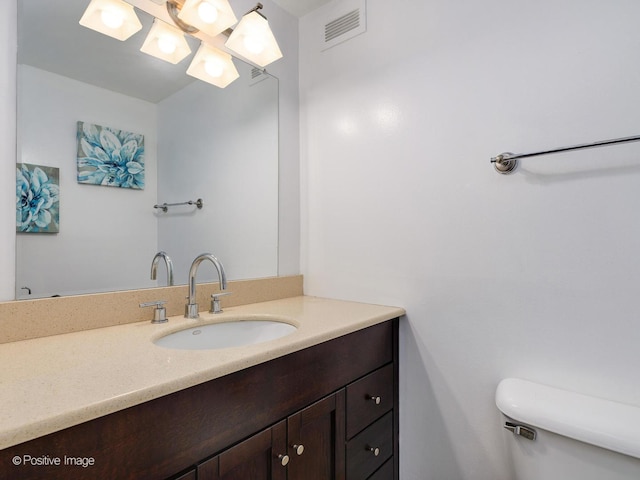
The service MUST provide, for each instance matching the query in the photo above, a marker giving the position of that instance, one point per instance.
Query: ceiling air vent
(344, 23)
(341, 25)
(257, 75)
(256, 72)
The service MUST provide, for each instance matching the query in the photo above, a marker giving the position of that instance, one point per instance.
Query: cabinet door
(191, 475)
(260, 457)
(316, 440)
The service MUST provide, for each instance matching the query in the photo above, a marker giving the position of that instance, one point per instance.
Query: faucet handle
(215, 301)
(160, 312)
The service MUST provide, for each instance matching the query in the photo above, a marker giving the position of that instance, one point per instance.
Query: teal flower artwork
(110, 157)
(37, 199)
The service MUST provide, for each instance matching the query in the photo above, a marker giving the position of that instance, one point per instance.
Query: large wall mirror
(200, 142)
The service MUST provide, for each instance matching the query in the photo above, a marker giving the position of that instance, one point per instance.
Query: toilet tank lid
(604, 423)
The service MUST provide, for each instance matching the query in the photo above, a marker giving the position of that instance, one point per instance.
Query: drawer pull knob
(374, 450)
(299, 449)
(284, 460)
(374, 398)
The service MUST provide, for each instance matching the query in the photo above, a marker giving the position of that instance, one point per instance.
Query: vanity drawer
(385, 472)
(368, 399)
(361, 458)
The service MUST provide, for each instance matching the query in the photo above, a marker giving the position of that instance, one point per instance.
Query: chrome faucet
(168, 263)
(191, 309)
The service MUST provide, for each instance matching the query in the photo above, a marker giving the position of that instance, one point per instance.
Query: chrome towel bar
(165, 206)
(507, 162)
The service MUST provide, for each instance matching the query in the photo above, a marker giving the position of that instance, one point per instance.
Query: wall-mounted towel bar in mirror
(165, 206)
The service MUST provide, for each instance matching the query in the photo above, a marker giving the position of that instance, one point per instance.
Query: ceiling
(50, 38)
(299, 8)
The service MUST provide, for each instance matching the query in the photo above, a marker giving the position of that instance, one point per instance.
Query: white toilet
(576, 436)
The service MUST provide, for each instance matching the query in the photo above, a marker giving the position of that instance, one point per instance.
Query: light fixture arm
(256, 9)
(174, 7)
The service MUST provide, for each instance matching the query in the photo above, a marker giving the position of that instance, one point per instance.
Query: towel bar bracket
(504, 164)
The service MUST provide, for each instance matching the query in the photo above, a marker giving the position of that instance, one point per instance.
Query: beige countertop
(51, 383)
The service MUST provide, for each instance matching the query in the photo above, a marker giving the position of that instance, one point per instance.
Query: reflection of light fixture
(114, 18)
(166, 42)
(252, 38)
(213, 66)
(209, 16)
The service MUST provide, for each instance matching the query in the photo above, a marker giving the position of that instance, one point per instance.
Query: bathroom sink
(229, 334)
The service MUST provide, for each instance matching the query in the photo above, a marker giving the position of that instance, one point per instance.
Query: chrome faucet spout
(191, 309)
(168, 263)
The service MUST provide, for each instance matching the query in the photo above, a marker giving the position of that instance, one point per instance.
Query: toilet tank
(576, 436)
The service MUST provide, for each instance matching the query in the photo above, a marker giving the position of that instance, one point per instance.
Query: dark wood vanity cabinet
(260, 457)
(370, 427)
(190, 475)
(306, 446)
(328, 412)
(315, 437)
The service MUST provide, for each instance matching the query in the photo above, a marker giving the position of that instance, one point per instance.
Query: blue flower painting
(37, 199)
(111, 157)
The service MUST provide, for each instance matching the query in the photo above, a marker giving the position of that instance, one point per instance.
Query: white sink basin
(226, 335)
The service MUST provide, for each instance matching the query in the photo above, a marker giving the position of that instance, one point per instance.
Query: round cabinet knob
(299, 449)
(375, 451)
(375, 398)
(284, 460)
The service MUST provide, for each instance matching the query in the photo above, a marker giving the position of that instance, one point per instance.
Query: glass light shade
(209, 16)
(114, 18)
(213, 66)
(252, 38)
(166, 43)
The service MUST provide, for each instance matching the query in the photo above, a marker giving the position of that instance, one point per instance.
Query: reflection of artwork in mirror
(37, 199)
(110, 157)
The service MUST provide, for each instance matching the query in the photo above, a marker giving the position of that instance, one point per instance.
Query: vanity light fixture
(253, 39)
(114, 18)
(209, 16)
(213, 66)
(166, 43)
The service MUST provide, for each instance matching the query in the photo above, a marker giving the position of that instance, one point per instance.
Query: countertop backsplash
(26, 319)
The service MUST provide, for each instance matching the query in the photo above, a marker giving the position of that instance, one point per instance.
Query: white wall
(285, 28)
(8, 43)
(107, 235)
(533, 275)
(234, 170)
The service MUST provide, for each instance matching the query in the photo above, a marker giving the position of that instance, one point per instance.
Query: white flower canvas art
(110, 157)
(37, 199)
